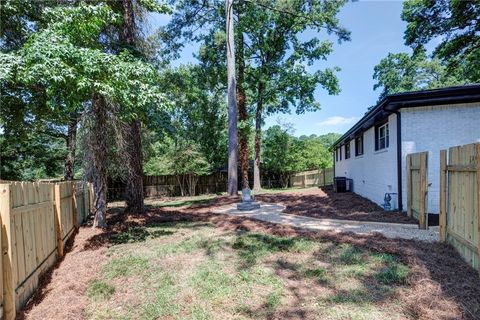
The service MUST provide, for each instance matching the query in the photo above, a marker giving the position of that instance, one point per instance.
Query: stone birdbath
(248, 202)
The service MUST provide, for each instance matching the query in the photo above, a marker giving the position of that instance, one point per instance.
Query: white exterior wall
(433, 129)
(375, 172)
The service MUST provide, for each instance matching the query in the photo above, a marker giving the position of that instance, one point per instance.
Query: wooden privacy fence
(417, 187)
(459, 200)
(168, 185)
(37, 219)
(312, 178)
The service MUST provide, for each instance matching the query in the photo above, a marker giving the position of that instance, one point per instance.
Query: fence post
(477, 147)
(9, 264)
(324, 179)
(73, 185)
(58, 219)
(443, 195)
(409, 186)
(423, 215)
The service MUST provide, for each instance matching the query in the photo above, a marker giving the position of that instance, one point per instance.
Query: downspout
(399, 160)
(333, 154)
(334, 173)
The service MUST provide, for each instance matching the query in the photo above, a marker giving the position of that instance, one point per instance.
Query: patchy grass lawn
(180, 261)
(193, 270)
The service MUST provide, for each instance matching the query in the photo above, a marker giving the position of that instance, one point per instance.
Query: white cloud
(338, 120)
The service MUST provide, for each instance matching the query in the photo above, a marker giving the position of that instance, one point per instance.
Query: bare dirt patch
(324, 203)
(438, 286)
(61, 294)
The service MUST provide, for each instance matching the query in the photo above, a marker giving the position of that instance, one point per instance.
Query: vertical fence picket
(423, 214)
(9, 259)
(461, 201)
(409, 186)
(443, 196)
(477, 174)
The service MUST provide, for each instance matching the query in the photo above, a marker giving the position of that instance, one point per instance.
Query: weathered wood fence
(168, 185)
(312, 178)
(37, 219)
(460, 200)
(417, 187)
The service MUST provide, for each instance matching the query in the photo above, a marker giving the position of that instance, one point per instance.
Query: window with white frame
(382, 137)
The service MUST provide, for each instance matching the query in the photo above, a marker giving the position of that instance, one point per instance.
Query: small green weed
(319, 274)
(137, 234)
(352, 296)
(100, 291)
(253, 246)
(199, 313)
(350, 255)
(163, 303)
(212, 282)
(273, 300)
(186, 245)
(393, 273)
(125, 265)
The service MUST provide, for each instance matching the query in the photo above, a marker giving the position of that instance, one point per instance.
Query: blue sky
(376, 29)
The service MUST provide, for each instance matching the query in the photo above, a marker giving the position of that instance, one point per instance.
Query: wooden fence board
(460, 198)
(9, 258)
(312, 178)
(417, 187)
(477, 202)
(32, 216)
(443, 195)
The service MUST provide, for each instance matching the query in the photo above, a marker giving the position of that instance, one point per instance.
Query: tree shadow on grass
(131, 228)
(253, 246)
(137, 234)
(178, 203)
(439, 286)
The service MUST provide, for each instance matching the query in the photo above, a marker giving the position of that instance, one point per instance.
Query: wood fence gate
(459, 200)
(417, 187)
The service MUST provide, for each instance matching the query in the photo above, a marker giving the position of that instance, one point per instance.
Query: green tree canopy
(401, 72)
(455, 24)
(284, 153)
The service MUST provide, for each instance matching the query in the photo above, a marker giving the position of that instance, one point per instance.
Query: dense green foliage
(32, 137)
(455, 24)
(275, 65)
(285, 153)
(58, 69)
(401, 72)
(455, 60)
(197, 116)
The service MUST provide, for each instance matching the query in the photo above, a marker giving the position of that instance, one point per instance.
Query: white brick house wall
(375, 172)
(432, 129)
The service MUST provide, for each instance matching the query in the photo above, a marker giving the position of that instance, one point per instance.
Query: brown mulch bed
(324, 203)
(440, 285)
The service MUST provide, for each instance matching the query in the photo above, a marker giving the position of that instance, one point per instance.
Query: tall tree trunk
(71, 147)
(232, 104)
(134, 188)
(99, 158)
(242, 115)
(257, 184)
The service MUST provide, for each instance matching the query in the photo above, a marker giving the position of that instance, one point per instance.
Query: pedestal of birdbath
(248, 203)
